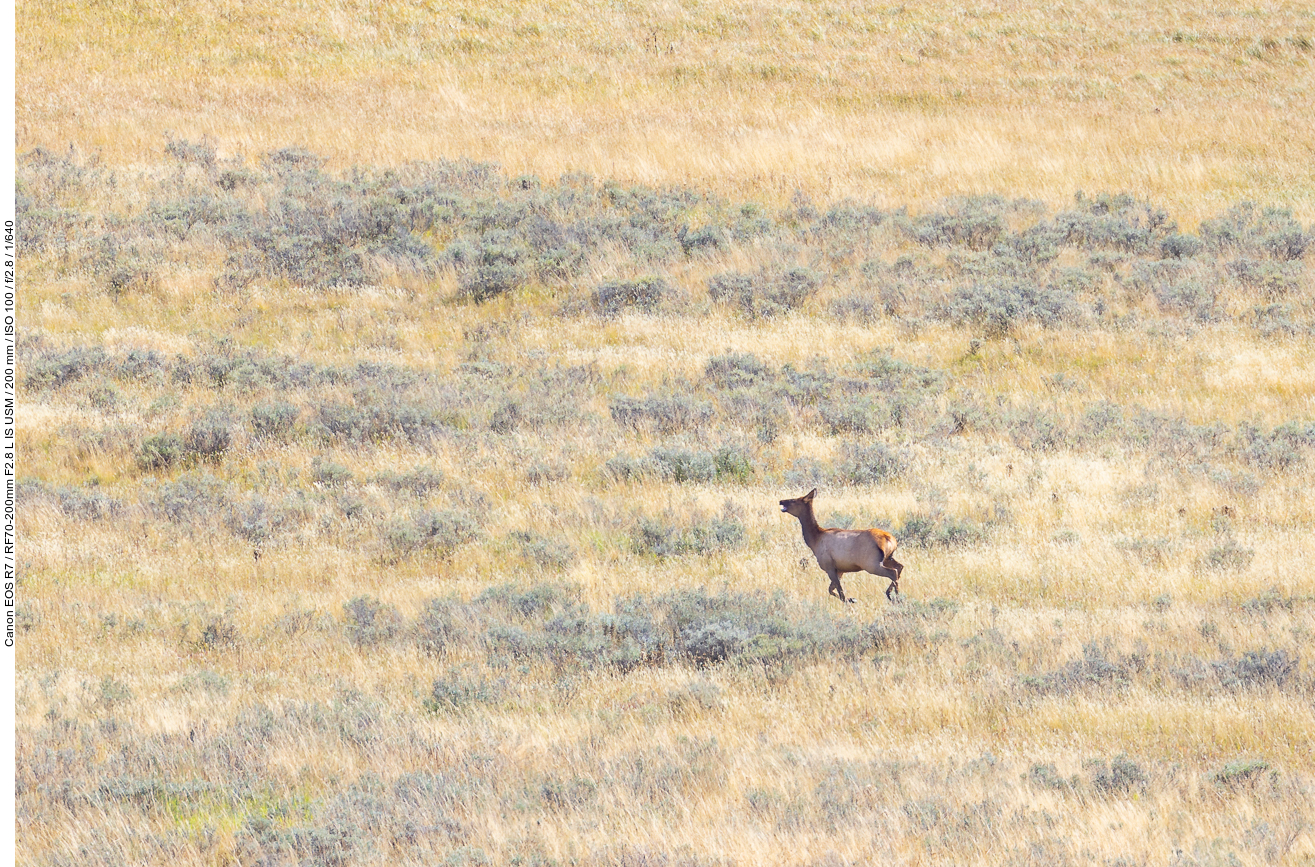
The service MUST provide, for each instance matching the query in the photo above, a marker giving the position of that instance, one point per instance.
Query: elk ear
(809, 496)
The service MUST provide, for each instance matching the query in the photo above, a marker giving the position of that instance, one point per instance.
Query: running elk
(841, 551)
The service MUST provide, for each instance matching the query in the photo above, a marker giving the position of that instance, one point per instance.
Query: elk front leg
(835, 589)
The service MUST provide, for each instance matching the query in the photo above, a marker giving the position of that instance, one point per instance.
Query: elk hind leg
(892, 568)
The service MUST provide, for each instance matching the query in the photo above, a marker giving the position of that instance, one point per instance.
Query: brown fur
(841, 551)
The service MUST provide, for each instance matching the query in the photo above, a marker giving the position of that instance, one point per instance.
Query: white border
(8, 273)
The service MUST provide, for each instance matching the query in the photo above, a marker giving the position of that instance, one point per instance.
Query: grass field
(406, 396)
(1194, 106)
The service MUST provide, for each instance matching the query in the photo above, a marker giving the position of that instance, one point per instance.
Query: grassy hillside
(407, 392)
(396, 515)
(1195, 106)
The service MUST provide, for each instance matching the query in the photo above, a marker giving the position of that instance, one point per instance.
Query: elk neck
(812, 532)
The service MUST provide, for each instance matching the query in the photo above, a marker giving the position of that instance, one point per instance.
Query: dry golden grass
(182, 701)
(1189, 104)
(927, 753)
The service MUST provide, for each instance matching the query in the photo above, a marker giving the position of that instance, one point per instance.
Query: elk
(841, 551)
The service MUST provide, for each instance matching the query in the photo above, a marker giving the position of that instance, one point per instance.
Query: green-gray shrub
(1227, 557)
(209, 436)
(868, 464)
(767, 293)
(329, 474)
(260, 519)
(193, 499)
(645, 294)
(975, 223)
(664, 413)
(87, 504)
(737, 370)
(1119, 778)
(491, 279)
(419, 482)
(1259, 668)
(938, 530)
(683, 465)
(700, 537)
(1180, 246)
(998, 306)
(1242, 229)
(273, 419)
(163, 451)
(624, 468)
(369, 622)
(1239, 772)
(1097, 668)
(59, 367)
(438, 626)
(545, 553)
(455, 692)
(441, 532)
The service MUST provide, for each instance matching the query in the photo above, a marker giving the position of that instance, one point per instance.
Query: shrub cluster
(646, 294)
(440, 531)
(284, 218)
(1099, 668)
(696, 535)
(545, 624)
(680, 464)
(858, 464)
(663, 413)
(767, 293)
